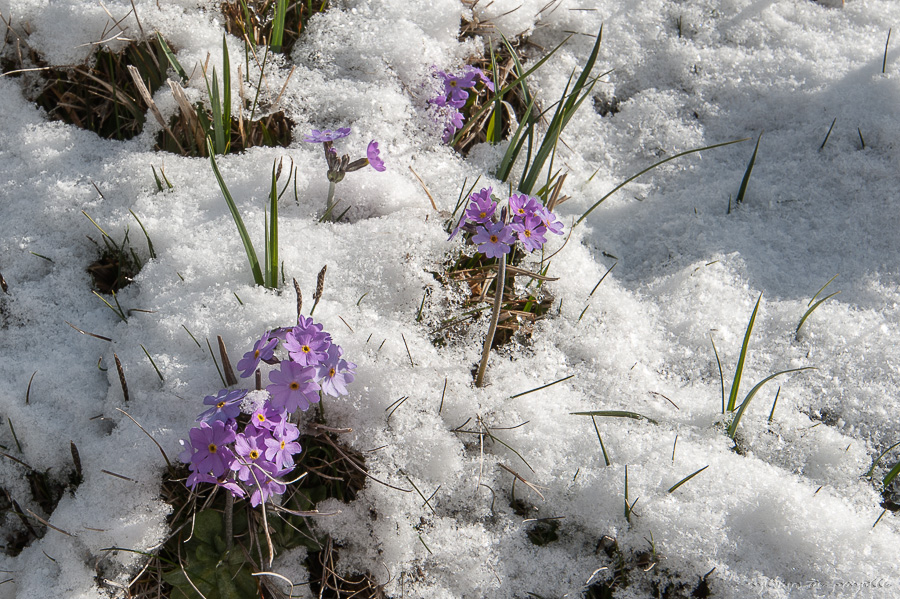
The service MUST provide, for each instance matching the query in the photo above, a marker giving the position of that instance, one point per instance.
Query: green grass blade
(272, 235)
(515, 145)
(569, 104)
(147, 235)
(687, 478)
(743, 188)
(599, 438)
(890, 476)
(650, 168)
(216, 106)
(238, 221)
(721, 376)
(170, 56)
(821, 289)
(226, 95)
(615, 414)
(878, 459)
(159, 185)
(281, 7)
(732, 428)
(812, 308)
(736, 381)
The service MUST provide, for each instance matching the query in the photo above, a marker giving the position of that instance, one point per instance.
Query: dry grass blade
(86, 333)
(155, 442)
(3, 284)
(524, 482)
(424, 187)
(47, 524)
(228, 370)
(121, 372)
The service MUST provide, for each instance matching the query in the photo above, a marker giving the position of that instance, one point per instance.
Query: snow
(790, 515)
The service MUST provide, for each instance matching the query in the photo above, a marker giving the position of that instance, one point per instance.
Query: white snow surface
(789, 515)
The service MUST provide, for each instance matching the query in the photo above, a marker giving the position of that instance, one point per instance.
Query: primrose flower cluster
(245, 441)
(453, 97)
(524, 219)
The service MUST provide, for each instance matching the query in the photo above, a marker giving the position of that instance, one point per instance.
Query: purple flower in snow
(454, 123)
(482, 207)
(211, 453)
(522, 206)
(455, 87)
(494, 239)
(373, 157)
(306, 349)
(335, 373)
(317, 136)
(264, 480)
(549, 219)
(530, 232)
(226, 405)
(262, 350)
(267, 417)
(250, 448)
(293, 387)
(282, 445)
(481, 77)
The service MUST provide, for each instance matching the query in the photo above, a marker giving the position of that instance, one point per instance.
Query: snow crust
(790, 515)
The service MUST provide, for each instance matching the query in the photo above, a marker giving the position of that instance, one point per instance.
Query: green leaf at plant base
(568, 105)
(206, 564)
(238, 221)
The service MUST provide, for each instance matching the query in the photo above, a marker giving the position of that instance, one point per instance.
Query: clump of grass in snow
(276, 23)
(187, 132)
(117, 264)
(267, 276)
(104, 97)
(732, 407)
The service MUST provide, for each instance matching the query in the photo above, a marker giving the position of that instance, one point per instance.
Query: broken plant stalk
(495, 318)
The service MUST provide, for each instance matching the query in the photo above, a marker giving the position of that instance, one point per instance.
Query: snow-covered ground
(789, 514)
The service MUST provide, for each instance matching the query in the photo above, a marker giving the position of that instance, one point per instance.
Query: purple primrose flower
(326, 135)
(335, 373)
(211, 453)
(226, 405)
(482, 207)
(262, 350)
(530, 232)
(372, 153)
(494, 239)
(293, 386)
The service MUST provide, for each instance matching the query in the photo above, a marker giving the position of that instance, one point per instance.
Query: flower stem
(329, 203)
(495, 318)
(229, 521)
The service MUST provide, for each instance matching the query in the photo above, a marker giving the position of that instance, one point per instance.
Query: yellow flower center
(295, 385)
(482, 214)
(494, 239)
(254, 453)
(220, 405)
(256, 354)
(305, 349)
(212, 448)
(331, 372)
(527, 233)
(260, 417)
(282, 444)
